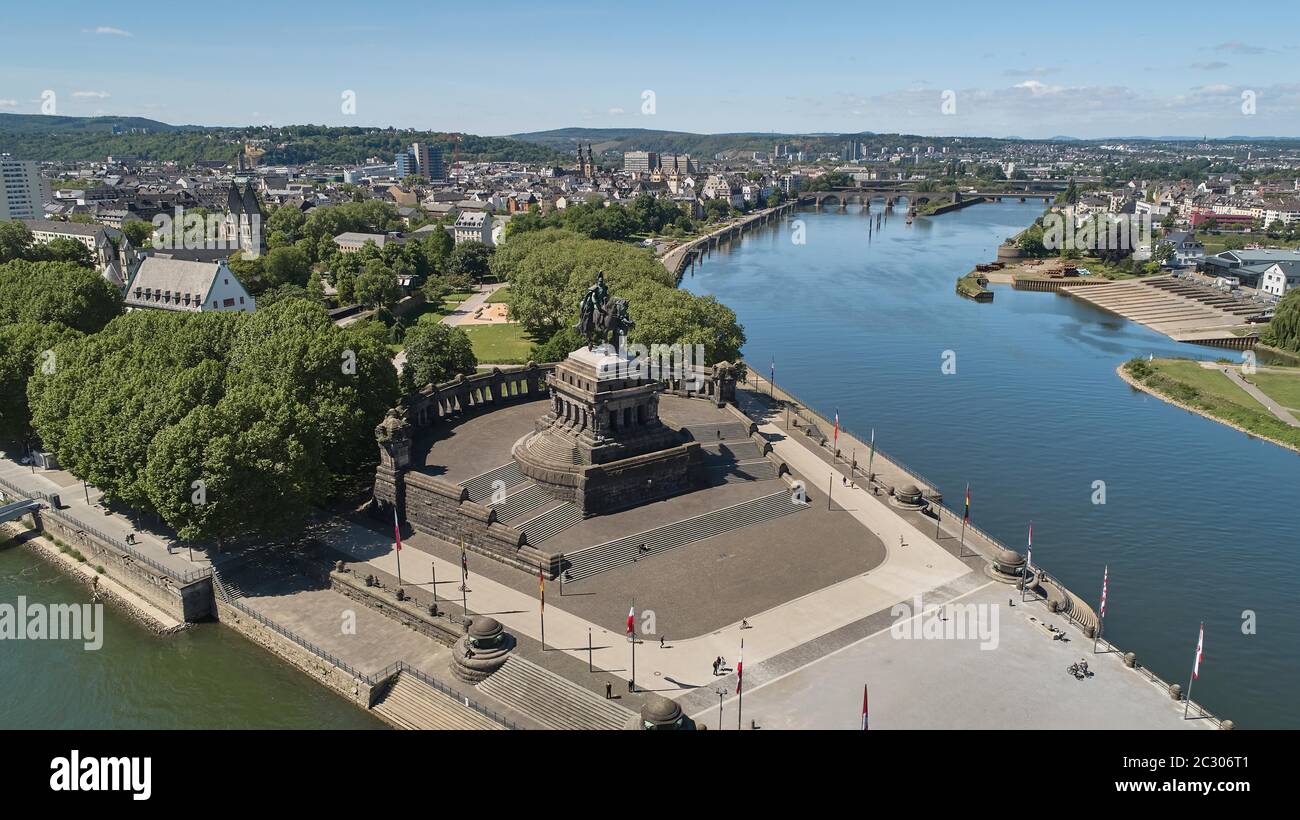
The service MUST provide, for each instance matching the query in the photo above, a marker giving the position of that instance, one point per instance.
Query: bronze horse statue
(606, 323)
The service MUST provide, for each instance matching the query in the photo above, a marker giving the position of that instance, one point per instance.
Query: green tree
(60, 292)
(377, 285)
(24, 347)
(471, 259)
(1284, 330)
(285, 266)
(436, 352)
(15, 241)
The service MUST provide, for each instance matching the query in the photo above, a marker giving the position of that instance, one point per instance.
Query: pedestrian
(609, 691)
(715, 667)
(661, 641)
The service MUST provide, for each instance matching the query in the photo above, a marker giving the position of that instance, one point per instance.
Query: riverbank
(1164, 382)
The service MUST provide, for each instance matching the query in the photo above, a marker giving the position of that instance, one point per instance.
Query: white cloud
(617, 111)
(1038, 89)
(116, 32)
(99, 95)
(8, 103)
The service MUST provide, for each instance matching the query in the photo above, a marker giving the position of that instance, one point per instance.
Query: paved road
(156, 546)
(1260, 396)
(466, 308)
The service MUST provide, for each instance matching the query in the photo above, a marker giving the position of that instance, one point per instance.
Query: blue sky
(1014, 69)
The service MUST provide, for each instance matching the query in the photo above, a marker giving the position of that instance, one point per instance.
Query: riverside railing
(465, 700)
(176, 575)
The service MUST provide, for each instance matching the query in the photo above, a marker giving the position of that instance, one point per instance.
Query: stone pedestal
(601, 445)
(482, 651)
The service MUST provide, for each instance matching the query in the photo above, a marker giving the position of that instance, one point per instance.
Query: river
(205, 677)
(1199, 522)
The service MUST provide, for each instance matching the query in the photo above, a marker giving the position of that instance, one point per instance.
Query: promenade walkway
(155, 546)
(1258, 395)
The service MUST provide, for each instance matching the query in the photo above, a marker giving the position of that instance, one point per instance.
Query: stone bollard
(1176, 692)
(401, 594)
(339, 566)
(1131, 660)
(1227, 726)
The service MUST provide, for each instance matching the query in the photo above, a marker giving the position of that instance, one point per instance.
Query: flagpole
(871, 456)
(464, 578)
(433, 568)
(740, 689)
(1029, 562)
(1196, 665)
(541, 580)
(1101, 617)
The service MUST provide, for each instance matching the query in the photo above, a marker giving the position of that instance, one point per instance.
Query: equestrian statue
(602, 319)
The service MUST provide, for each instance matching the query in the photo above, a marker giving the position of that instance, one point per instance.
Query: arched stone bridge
(841, 197)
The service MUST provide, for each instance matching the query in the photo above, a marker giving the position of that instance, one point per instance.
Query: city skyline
(681, 68)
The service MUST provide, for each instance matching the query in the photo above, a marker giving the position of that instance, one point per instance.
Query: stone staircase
(551, 522)
(410, 703)
(480, 486)
(526, 498)
(721, 431)
(759, 470)
(552, 701)
(623, 551)
(554, 448)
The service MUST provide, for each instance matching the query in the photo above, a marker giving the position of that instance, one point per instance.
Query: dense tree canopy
(270, 413)
(436, 352)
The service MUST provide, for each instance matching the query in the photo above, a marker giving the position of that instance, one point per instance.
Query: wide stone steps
(716, 432)
(524, 500)
(551, 522)
(480, 486)
(412, 704)
(759, 470)
(623, 551)
(554, 448)
(553, 701)
(733, 450)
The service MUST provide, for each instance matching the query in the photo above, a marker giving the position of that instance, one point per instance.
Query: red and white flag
(740, 666)
(397, 530)
(1200, 653)
(631, 620)
(1105, 581)
(837, 428)
(864, 707)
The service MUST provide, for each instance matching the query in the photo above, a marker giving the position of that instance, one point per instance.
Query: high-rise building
(428, 161)
(22, 191)
(641, 162)
(405, 165)
(678, 164)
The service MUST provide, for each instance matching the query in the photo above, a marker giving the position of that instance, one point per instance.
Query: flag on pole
(1200, 653)
(965, 518)
(871, 455)
(740, 665)
(864, 707)
(541, 583)
(631, 620)
(1029, 548)
(464, 562)
(1105, 579)
(837, 428)
(397, 530)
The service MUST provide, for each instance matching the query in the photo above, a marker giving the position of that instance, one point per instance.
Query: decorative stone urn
(660, 714)
(482, 651)
(908, 497)
(1008, 566)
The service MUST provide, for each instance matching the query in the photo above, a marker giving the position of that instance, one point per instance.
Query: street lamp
(722, 693)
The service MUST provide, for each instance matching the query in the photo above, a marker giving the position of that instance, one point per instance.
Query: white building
(160, 283)
(22, 191)
(473, 226)
(1280, 277)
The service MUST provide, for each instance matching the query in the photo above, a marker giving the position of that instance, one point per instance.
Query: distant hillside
(42, 124)
(618, 140)
(79, 139)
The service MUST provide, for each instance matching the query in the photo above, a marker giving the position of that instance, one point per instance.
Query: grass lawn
(1212, 392)
(500, 344)
(499, 295)
(1283, 388)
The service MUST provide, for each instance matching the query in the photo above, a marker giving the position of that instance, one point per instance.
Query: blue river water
(1200, 522)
